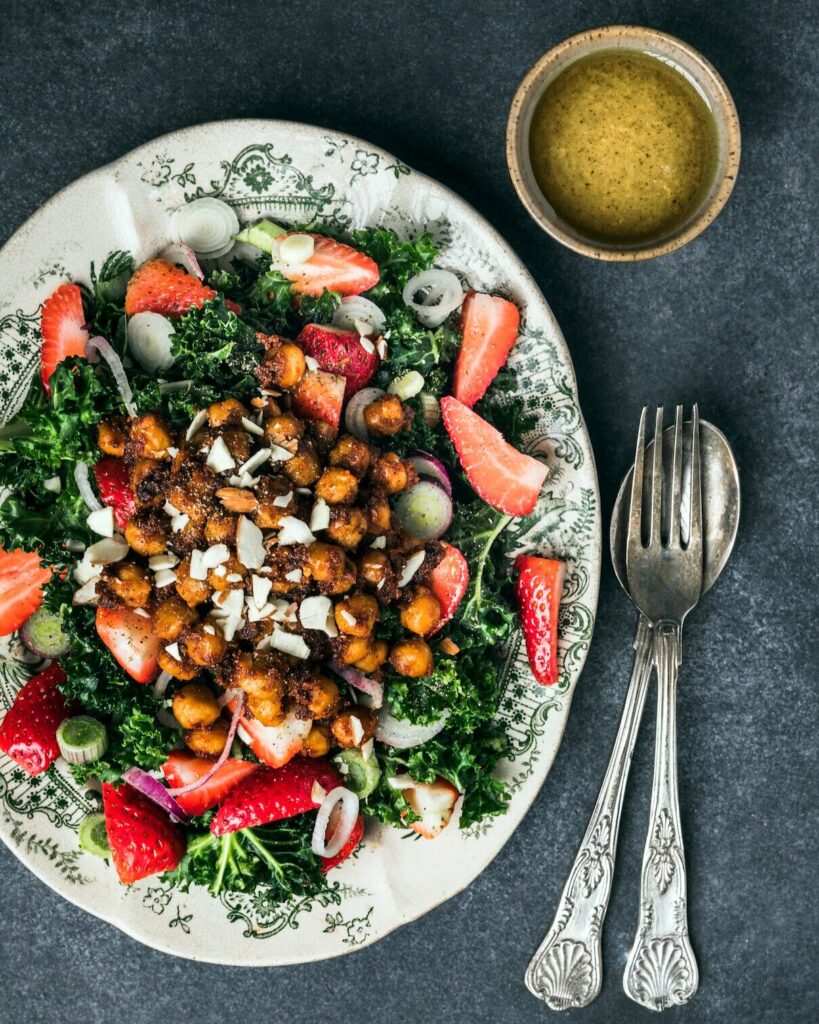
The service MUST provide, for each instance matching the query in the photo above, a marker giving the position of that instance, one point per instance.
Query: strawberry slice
(334, 267)
(273, 744)
(505, 478)
(161, 287)
(435, 802)
(143, 839)
(538, 588)
(449, 581)
(489, 329)
(28, 733)
(22, 578)
(184, 768)
(131, 639)
(114, 485)
(341, 352)
(272, 794)
(327, 863)
(319, 396)
(62, 326)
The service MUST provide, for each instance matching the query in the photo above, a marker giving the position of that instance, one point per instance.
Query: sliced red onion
(166, 717)
(347, 819)
(184, 256)
(354, 413)
(161, 684)
(398, 733)
(100, 345)
(355, 309)
(357, 679)
(424, 511)
(154, 790)
(440, 292)
(84, 487)
(238, 709)
(149, 339)
(428, 465)
(207, 225)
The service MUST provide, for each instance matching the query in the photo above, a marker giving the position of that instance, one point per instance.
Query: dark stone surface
(730, 321)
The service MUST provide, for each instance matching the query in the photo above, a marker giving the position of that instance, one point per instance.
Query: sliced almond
(234, 499)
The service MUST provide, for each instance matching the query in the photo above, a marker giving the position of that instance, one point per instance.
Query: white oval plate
(296, 172)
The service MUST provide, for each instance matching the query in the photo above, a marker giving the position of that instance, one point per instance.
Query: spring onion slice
(220, 760)
(92, 835)
(82, 739)
(207, 226)
(101, 346)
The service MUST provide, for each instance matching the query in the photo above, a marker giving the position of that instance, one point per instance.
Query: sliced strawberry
(435, 802)
(334, 267)
(22, 578)
(505, 478)
(341, 352)
(319, 396)
(271, 794)
(161, 287)
(347, 849)
(489, 329)
(131, 639)
(28, 733)
(274, 744)
(184, 768)
(114, 485)
(143, 839)
(449, 581)
(538, 588)
(62, 326)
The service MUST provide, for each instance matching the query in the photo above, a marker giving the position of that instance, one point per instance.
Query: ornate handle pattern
(661, 969)
(566, 972)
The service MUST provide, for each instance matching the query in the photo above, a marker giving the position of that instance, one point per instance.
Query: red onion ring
(361, 682)
(347, 819)
(84, 487)
(185, 257)
(428, 465)
(398, 733)
(154, 790)
(220, 760)
(161, 684)
(99, 344)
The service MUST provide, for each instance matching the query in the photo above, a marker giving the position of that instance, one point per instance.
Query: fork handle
(566, 972)
(661, 970)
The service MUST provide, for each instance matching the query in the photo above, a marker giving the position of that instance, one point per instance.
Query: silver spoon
(566, 972)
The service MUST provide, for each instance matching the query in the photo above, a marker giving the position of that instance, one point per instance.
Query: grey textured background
(730, 321)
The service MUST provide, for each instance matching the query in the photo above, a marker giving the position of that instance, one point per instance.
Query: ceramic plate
(296, 173)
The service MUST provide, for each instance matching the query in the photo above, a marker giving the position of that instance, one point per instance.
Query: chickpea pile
(184, 508)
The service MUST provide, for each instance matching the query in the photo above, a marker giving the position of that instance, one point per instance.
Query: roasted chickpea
(209, 741)
(261, 675)
(412, 657)
(387, 416)
(149, 482)
(111, 437)
(194, 706)
(391, 473)
(352, 454)
(284, 430)
(353, 728)
(283, 366)
(357, 615)
(379, 514)
(351, 649)
(239, 444)
(204, 644)
(375, 656)
(171, 617)
(192, 592)
(227, 413)
(182, 668)
(191, 535)
(149, 437)
(304, 468)
(129, 582)
(220, 528)
(422, 613)
(325, 562)
(317, 694)
(230, 575)
(270, 493)
(374, 567)
(337, 486)
(191, 489)
(283, 562)
(148, 532)
(267, 709)
(348, 527)
(317, 742)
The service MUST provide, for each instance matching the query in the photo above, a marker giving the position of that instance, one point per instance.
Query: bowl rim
(724, 110)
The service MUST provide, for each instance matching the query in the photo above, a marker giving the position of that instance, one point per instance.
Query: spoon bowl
(720, 501)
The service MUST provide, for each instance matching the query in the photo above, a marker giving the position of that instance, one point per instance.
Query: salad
(251, 521)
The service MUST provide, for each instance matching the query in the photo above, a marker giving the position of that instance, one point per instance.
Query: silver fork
(665, 582)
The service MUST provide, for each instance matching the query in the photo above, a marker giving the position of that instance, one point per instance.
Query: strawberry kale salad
(251, 523)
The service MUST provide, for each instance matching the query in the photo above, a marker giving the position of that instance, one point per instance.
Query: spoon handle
(566, 972)
(661, 969)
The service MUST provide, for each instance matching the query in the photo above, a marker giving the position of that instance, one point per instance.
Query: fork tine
(676, 482)
(635, 515)
(695, 528)
(656, 525)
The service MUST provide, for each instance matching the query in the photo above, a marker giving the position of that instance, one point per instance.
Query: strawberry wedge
(334, 267)
(340, 352)
(22, 578)
(320, 396)
(505, 478)
(143, 839)
(489, 329)
(538, 589)
(349, 848)
(449, 581)
(161, 287)
(275, 745)
(114, 485)
(28, 733)
(62, 326)
(184, 768)
(131, 639)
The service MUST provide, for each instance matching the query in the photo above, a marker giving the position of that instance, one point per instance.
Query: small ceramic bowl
(699, 73)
